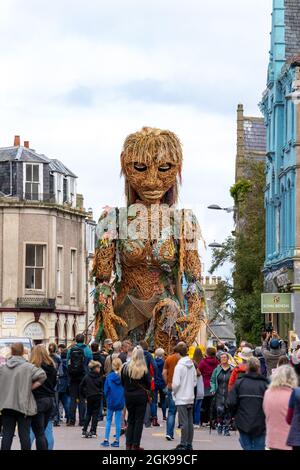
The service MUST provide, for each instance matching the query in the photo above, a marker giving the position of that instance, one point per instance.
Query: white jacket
(184, 382)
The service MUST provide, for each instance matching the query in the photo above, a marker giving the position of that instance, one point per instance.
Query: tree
(241, 296)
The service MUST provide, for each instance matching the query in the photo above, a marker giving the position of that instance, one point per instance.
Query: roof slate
(255, 135)
(292, 28)
(23, 154)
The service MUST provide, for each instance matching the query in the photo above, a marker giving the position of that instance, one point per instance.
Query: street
(69, 438)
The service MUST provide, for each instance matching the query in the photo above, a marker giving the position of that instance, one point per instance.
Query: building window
(73, 273)
(59, 271)
(90, 237)
(65, 190)
(32, 182)
(34, 267)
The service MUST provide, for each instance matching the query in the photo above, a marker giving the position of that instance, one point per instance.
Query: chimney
(17, 142)
(26, 144)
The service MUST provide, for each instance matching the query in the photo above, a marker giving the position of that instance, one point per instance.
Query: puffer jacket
(246, 403)
(16, 379)
(206, 367)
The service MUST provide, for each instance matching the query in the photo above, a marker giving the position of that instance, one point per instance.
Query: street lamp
(216, 207)
(215, 245)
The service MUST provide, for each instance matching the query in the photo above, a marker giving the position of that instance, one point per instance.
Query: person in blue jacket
(160, 387)
(115, 402)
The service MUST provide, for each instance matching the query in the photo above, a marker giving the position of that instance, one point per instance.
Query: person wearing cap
(244, 355)
(272, 355)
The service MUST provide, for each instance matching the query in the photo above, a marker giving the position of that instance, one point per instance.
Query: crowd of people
(254, 390)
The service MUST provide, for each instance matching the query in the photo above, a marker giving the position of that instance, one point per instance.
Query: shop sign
(9, 319)
(276, 303)
(34, 331)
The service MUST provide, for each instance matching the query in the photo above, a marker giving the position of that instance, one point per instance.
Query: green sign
(276, 303)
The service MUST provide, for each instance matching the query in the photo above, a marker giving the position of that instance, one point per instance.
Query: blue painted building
(282, 194)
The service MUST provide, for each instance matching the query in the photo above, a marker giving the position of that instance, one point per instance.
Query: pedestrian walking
(44, 395)
(199, 389)
(53, 353)
(97, 356)
(116, 350)
(295, 362)
(63, 384)
(206, 367)
(160, 387)
(18, 379)
(126, 346)
(150, 418)
(275, 406)
(91, 388)
(183, 384)
(272, 349)
(168, 372)
(136, 381)
(244, 355)
(115, 400)
(293, 419)
(78, 358)
(246, 404)
(219, 389)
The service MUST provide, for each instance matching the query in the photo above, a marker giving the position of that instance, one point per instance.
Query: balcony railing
(35, 303)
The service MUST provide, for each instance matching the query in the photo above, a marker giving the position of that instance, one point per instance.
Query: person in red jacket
(239, 370)
(206, 367)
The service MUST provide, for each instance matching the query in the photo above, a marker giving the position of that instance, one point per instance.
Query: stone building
(220, 327)
(46, 246)
(251, 142)
(282, 194)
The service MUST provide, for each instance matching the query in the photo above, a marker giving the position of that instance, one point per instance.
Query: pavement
(69, 438)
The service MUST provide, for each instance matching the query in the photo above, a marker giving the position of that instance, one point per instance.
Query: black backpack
(76, 366)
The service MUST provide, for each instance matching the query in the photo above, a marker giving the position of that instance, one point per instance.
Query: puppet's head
(151, 164)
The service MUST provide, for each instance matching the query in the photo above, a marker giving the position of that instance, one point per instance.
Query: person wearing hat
(272, 355)
(244, 355)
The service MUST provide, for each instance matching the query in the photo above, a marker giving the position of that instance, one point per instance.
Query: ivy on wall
(241, 296)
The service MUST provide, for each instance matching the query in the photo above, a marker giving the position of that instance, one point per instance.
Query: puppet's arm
(103, 269)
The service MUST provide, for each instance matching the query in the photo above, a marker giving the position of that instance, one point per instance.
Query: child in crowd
(115, 401)
(91, 388)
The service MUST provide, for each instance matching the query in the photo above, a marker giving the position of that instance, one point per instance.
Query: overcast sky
(77, 76)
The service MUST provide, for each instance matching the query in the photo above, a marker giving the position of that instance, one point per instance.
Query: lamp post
(216, 207)
(215, 245)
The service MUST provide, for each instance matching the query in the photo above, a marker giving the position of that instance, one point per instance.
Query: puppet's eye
(164, 167)
(140, 166)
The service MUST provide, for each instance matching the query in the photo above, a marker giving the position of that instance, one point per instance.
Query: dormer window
(33, 181)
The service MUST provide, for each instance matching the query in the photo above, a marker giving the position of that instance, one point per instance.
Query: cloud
(78, 75)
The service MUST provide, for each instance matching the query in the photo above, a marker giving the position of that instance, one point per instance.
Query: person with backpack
(78, 358)
(91, 388)
(115, 400)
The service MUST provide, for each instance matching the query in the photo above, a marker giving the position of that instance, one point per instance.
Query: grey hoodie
(184, 382)
(16, 379)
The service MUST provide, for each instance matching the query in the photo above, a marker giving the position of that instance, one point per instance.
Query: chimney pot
(17, 141)
(26, 144)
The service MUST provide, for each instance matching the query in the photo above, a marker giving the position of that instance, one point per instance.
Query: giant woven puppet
(146, 266)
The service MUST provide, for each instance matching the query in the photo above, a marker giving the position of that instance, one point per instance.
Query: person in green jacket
(219, 388)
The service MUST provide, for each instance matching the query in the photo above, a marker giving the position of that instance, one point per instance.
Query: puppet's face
(153, 179)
